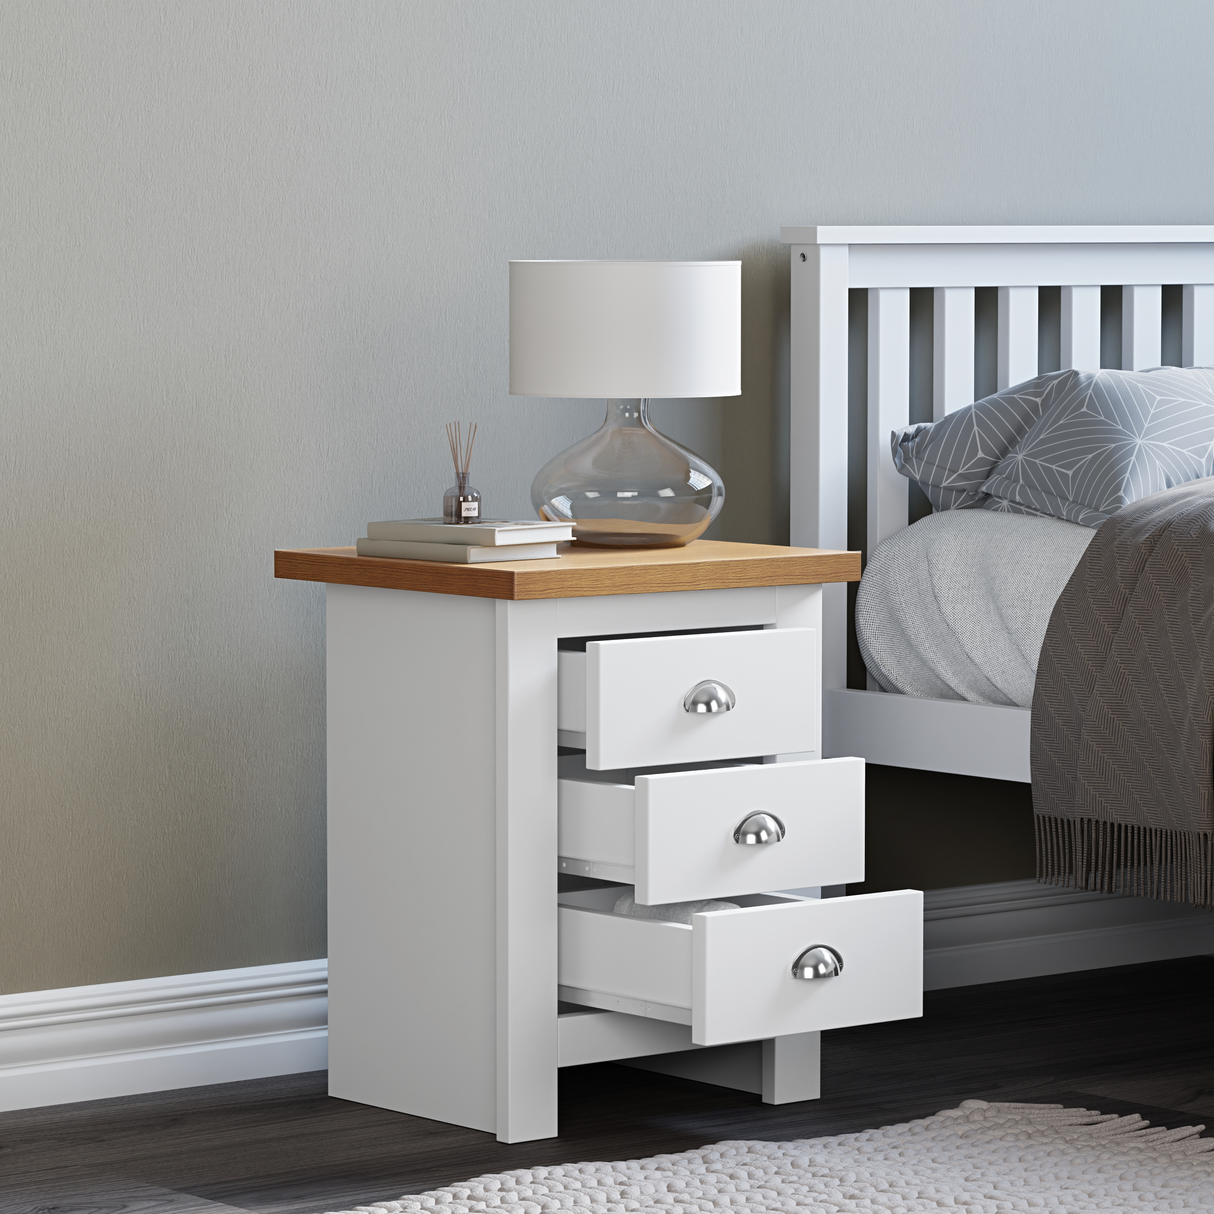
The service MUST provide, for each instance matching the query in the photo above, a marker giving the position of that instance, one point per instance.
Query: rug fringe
(1132, 1127)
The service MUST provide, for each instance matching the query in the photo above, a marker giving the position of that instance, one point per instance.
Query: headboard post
(818, 426)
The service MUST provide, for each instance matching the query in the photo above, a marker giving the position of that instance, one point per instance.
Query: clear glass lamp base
(627, 486)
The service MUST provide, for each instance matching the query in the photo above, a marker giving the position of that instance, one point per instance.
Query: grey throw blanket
(1123, 708)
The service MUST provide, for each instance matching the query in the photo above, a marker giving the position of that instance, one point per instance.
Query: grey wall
(254, 255)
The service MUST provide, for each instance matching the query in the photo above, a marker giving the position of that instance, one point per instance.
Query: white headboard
(827, 262)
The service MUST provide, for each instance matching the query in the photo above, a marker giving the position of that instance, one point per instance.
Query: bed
(1163, 280)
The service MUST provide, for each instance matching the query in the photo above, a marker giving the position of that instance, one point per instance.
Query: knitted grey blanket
(1123, 709)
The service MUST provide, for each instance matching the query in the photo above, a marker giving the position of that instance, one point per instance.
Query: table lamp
(627, 331)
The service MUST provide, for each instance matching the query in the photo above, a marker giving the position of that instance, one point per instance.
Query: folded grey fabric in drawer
(955, 607)
(670, 912)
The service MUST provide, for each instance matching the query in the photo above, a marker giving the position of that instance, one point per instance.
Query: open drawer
(730, 974)
(641, 702)
(678, 836)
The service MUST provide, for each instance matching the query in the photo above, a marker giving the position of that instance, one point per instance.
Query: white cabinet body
(443, 843)
(442, 834)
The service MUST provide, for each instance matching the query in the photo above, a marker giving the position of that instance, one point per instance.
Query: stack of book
(432, 539)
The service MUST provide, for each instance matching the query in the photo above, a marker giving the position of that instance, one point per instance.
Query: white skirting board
(1020, 929)
(186, 1030)
(153, 1034)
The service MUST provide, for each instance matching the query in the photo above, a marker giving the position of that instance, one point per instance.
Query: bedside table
(682, 686)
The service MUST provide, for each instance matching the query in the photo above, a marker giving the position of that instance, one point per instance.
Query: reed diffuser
(461, 503)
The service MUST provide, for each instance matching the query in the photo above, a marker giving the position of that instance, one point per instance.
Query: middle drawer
(681, 836)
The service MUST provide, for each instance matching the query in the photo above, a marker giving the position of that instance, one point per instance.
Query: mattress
(955, 606)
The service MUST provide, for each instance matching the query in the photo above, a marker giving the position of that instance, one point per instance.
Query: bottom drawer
(730, 973)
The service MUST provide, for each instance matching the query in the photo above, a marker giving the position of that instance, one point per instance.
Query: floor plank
(1133, 1039)
(71, 1191)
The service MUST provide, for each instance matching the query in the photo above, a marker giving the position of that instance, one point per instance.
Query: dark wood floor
(1135, 1039)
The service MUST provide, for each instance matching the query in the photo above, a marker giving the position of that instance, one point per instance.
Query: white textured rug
(978, 1158)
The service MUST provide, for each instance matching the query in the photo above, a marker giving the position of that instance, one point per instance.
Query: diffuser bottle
(462, 503)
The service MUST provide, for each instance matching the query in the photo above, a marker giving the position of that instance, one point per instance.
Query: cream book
(460, 554)
(489, 533)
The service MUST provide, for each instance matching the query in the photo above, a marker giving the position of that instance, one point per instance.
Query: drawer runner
(623, 874)
(618, 1003)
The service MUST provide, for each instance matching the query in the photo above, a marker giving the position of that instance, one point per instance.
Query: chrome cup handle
(759, 828)
(709, 697)
(818, 961)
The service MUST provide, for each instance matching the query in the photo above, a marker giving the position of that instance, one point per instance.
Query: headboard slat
(1080, 339)
(1197, 326)
(888, 407)
(952, 350)
(1141, 327)
(1017, 335)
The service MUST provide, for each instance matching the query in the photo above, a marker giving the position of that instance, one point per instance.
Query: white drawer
(673, 835)
(730, 973)
(624, 700)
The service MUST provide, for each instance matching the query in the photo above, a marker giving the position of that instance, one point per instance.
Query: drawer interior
(571, 697)
(604, 897)
(573, 767)
(628, 964)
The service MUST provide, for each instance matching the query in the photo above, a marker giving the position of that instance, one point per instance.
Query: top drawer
(626, 700)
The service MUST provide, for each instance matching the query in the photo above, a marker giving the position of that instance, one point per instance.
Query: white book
(489, 533)
(466, 554)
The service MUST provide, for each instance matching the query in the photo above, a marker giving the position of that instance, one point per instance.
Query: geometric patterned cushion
(1108, 438)
(1074, 445)
(953, 458)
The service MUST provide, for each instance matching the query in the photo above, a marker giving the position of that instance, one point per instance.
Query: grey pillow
(1107, 438)
(1074, 445)
(952, 459)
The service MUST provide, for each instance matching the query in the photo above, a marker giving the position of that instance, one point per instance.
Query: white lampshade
(625, 329)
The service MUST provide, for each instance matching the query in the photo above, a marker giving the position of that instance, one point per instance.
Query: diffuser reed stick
(461, 503)
(461, 454)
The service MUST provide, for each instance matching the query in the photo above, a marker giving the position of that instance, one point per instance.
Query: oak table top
(580, 572)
